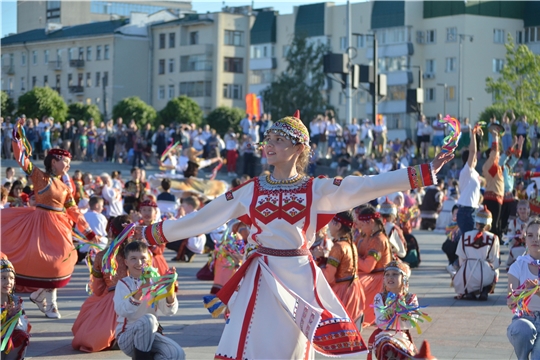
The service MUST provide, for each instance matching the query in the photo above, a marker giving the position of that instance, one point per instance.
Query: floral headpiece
(402, 268)
(343, 221)
(6, 266)
(292, 128)
(367, 217)
(148, 203)
(59, 153)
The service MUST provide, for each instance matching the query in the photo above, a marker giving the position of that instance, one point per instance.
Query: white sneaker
(41, 304)
(53, 313)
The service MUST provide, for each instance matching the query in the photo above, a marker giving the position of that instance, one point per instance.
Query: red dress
(94, 328)
(38, 240)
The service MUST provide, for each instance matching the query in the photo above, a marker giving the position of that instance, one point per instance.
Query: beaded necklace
(273, 181)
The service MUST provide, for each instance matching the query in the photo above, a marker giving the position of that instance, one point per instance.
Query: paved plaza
(459, 330)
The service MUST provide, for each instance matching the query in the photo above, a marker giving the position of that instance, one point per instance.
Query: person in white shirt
(380, 137)
(113, 196)
(231, 145)
(366, 135)
(438, 133)
(97, 222)
(245, 124)
(137, 330)
(323, 135)
(199, 141)
(334, 129)
(314, 130)
(354, 129)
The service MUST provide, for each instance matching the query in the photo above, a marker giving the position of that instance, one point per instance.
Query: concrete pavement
(459, 330)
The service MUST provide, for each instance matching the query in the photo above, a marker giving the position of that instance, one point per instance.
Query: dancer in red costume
(38, 241)
(281, 307)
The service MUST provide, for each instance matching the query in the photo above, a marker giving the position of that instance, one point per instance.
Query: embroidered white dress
(283, 308)
(478, 262)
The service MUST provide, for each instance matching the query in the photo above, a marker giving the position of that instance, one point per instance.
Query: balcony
(76, 63)
(76, 90)
(8, 69)
(263, 63)
(57, 65)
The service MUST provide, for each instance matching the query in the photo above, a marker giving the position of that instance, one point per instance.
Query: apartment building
(456, 44)
(99, 63)
(34, 14)
(203, 56)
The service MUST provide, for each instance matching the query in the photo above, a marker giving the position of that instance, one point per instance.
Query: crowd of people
(338, 250)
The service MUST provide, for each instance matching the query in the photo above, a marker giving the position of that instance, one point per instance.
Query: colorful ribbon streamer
(451, 141)
(161, 288)
(172, 146)
(521, 298)
(8, 325)
(397, 309)
(109, 264)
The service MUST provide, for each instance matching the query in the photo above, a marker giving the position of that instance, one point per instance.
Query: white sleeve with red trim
(335, 195)
(125, 306)
(231, 205)
(168, 309)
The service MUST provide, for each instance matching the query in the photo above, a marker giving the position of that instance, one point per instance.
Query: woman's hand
(441, 159)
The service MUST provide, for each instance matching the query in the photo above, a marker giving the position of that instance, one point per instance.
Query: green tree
(43, 101)
(224, 117)
(183, 110)
(518, 87)
(80, 111)
(134, 108)
(300, 85)
(7, 104)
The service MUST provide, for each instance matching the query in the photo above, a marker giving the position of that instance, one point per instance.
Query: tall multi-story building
(33, 14)
(203, 56)
(99, 63)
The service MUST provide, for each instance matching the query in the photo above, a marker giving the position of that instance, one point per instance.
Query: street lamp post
(445, 85)
(471, 99)
(460, 73)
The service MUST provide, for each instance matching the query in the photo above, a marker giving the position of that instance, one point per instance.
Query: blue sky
(9, 9)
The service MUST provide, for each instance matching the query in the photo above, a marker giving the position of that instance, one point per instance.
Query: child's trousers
(143, 335)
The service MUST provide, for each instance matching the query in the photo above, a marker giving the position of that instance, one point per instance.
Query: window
(88, 79)
(58, 55)
(392, 63)
(53, 9)
(397, 92)
(343, 43)
(193, 38)
(98, 78)
(106, 53)
(498, 36)
(265, 51)
(234, 65)
(161, 89)
(498, 65)
(45, 80)
(451, 93)
(431, 36)
(80, 79)
(196, 88)
(88, 53)
(255, 52)
(171, 92)
(34, 82)
(23, 83)
(162, 41)
(70, 80)
(451, 34)
(519, 37)
(105, 78)
(430, 66)
(420, 37)
(23, 58)
(172, 40)
(234, 38)
(81, 53)
(46, 56)
(429, 94)
(261, 76)
(360, 41)
(232, 91)
(195, 63)
(57, 84)
(98, 52)
(450, 64)
(34, 57)
(71, 54)
(171, 65)
(532, 34)
(161, 67)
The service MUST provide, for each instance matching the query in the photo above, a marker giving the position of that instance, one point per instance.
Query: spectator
(334, 129)
(67, 135)
(133, 191)
(343, 162)
(336, 148)
(231, 145)
(97, 222)
(366, 136)
(92, 140)
(245, 124)
(46, 140)
(353, 139)
(380, 137)
(323, 135)
(10, 175)
(534, 161)
(507, 137)
(314, 129)
(522, 127)
(110, 140)
(431, 206)
(166, 195)
(533, 135)
(313, 159)
(438, 133)
(248, 151)
(113, 197)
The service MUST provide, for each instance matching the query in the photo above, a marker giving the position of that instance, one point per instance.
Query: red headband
(366, 217)
(343, 221)
(148, 203)
(60, 152)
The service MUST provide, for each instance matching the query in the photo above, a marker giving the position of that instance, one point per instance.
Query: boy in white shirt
(97, 222)
(138, 331)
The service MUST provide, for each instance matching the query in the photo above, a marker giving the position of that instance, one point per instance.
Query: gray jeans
(523, 335)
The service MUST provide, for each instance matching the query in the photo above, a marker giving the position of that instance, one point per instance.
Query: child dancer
(392, 340)
(515, 237)
(388, 211)
(94, 328)
(478, 252)
(137, 330)
(148, 211)
(12, 305)
(340, 270)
